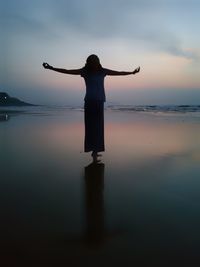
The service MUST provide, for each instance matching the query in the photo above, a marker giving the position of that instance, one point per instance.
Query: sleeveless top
(94, 85)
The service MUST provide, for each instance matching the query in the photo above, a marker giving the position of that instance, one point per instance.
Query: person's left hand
(136, 70)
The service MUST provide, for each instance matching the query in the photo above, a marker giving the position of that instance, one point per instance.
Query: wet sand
(139, 207)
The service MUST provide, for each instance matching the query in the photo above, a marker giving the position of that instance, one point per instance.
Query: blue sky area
(160, 36)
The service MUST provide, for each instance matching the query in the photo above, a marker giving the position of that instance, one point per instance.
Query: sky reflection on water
(141, 201)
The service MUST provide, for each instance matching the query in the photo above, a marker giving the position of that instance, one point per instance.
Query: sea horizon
(113, 106)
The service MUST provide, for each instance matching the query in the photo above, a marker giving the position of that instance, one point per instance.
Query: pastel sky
(161, 36)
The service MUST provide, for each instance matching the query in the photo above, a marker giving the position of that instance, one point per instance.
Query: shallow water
(140, 206)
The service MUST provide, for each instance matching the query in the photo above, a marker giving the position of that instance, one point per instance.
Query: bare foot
(95, 156)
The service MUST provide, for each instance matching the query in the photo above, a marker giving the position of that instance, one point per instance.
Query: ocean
(58, 109)
(139, 206)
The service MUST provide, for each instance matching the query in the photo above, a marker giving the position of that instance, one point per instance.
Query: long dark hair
(92, 64)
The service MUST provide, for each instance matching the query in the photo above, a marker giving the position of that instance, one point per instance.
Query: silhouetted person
(4, 117)
(93, 74)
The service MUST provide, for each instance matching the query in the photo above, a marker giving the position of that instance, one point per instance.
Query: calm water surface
(139, 207)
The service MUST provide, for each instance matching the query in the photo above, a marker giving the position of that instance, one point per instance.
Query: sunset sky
(161, 36)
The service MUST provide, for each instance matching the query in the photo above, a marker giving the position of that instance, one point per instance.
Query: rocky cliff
(6, 100)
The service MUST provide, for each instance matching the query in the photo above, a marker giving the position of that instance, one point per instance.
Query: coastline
(147, 193)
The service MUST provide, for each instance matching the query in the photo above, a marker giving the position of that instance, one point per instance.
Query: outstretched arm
(73, 72)
(119, 73)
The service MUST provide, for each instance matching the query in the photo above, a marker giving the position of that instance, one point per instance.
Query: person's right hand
(47, 66)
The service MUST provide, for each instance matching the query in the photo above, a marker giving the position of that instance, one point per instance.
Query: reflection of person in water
(94, 185)
(93, 74)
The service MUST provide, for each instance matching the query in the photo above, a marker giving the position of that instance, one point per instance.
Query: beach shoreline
(145, 194)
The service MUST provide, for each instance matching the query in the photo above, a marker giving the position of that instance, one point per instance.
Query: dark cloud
(103, 19)
(131, 20)
(162, 40)
(180, 52)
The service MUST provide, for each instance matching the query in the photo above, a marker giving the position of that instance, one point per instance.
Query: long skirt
(94, 126)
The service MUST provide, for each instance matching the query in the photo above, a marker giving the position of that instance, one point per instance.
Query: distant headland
(6, 100)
